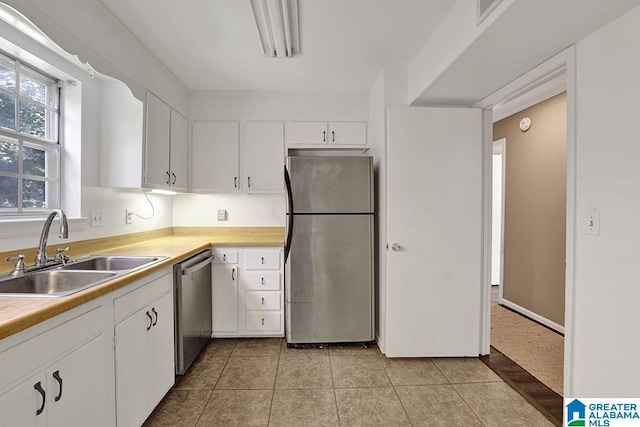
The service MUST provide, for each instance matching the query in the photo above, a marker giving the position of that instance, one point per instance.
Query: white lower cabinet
(68, 389)
(248, 298)
(144, 353)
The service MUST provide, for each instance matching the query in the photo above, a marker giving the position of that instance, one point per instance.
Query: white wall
(607, 293)
(254, 210)
(390, 89)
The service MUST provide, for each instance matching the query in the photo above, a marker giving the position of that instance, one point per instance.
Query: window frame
(51, 143)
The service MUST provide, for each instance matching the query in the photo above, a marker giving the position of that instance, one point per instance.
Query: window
(29, 139)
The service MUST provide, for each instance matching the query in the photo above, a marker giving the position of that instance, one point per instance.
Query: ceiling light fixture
(277, 22)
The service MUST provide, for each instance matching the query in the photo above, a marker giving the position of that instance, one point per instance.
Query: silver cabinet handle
(263, 303)
(262, 280)
(396, 247)
(150, 321)
(175, 178)
(262, 260)
(233, 274)
(324, 136)
(235, 182)
(168, 177)
(249, 181)
(224, 257)
(263, 321)
(333, 136)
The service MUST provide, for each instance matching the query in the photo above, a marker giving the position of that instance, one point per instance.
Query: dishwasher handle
(198, 266)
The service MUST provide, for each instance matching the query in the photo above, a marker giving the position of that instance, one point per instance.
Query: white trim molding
(530, 314)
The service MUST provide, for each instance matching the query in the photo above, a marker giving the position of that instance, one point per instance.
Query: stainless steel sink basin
(111, 263)
(52, 283)
(63, 280)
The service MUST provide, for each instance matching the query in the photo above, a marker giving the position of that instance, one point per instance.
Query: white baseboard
(530, 314)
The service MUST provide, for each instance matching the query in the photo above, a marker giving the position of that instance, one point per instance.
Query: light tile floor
(261, 382)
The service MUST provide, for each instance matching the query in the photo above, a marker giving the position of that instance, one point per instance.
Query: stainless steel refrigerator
(329, 249)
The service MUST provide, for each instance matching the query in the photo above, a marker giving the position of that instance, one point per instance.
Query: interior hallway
(261, 382)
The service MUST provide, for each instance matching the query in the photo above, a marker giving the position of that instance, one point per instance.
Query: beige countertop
(19, 313)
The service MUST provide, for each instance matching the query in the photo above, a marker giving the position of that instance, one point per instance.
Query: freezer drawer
(321, 184)
(329, 279)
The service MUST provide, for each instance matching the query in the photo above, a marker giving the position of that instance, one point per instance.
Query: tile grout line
(214, 386)
(393, 386)
(275, 379)
(333, 387)
(456, 390)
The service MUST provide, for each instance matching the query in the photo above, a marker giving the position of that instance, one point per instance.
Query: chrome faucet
(41, 255)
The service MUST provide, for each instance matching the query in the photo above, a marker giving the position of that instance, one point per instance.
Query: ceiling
(213, 45)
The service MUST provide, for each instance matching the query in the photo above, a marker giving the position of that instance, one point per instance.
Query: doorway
(529, 203)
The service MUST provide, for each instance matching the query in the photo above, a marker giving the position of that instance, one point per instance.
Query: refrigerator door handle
(287, 245)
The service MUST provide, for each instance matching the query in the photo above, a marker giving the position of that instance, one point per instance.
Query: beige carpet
(537, 349)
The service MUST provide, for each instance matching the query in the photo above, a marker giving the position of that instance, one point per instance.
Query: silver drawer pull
(263, 303)
(262, 258)
(262, 279)
(224, 257)
(263, 321)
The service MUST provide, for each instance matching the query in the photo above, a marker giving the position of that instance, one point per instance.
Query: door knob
(396, 247)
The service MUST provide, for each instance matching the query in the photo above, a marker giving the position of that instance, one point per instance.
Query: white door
(435, 216)
(76, 387)
(179, 162)
(157, 147)
(25, 405)
(214, 157)
(263, 157)
(161, 360)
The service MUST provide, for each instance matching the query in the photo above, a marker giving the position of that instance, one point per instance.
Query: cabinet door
(347, 133)
(224, 298)
(161, 355)
(179, 152)
(214, 157)
(19, 405)
(263, 157)
(157, 147)
(306, 133)
(133, 356)
(77, 382)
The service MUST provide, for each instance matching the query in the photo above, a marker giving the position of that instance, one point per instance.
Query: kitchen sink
(52, 283)
(63, 280)
(111, 263)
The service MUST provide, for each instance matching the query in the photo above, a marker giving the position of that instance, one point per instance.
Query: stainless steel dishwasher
(192, 281)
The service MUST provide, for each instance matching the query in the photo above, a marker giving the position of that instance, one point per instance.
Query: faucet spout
(41, 255)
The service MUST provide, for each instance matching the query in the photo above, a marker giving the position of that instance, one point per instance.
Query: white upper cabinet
(158, 137)
(179, 159)
(326, 134)
(163, 144)
(347, 133)
(219, 151)
(215, 156)
(262, 157)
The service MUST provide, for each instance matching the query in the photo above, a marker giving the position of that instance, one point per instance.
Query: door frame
(500, 144)
(562, 63)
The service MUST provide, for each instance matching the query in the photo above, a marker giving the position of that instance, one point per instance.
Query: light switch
(97, 220)
(592, 223)
(222, 215)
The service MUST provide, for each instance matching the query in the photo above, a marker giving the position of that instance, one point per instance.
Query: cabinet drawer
(261, 280)
(221, 256)
(263, 321)
(262, 301)
(133, 301)
(262, 260)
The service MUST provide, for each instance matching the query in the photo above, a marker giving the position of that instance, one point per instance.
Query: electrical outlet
(128, 216)
(222, 215)
(97, 219)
